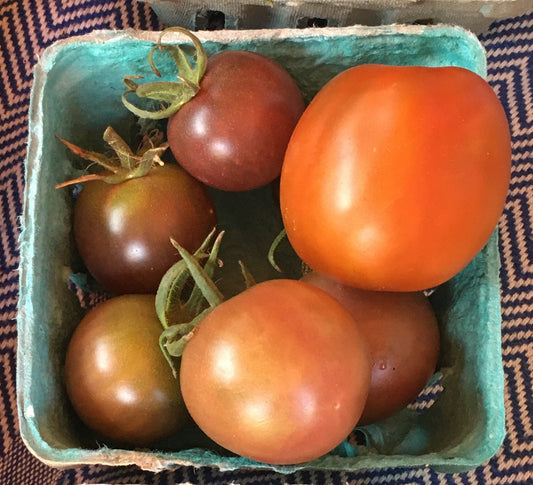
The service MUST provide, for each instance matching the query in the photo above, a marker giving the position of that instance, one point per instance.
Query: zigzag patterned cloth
(27, 27)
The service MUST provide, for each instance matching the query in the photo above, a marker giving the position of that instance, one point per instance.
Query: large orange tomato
(395, 177)
(279, 373)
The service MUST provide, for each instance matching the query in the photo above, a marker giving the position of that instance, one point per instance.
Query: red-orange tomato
(279, 373)
(395, 177)
(403, 338)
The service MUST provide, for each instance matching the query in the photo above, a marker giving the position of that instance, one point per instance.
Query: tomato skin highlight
(395, 177)
(116, 377)
(233, 134)
(278, 373)
(403, 337)
(123, 231)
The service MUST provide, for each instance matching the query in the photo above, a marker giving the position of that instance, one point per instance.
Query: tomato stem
(169, 95)
(125, 164)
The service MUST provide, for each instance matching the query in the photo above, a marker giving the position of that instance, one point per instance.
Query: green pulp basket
(77, 94)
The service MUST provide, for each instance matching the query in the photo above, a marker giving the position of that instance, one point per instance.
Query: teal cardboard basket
(77, 94)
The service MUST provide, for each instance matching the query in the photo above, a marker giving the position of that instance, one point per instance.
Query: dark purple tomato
(117, 378)
(403, 338)
(233, 134)
(123, 230)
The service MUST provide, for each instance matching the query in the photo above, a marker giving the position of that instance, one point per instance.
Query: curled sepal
(169, 95)
(173, 340)
(178, 313)
(201, 279)
(196, 299)
(124, 164)
(175, 302)
(273, 247)
(249, 279)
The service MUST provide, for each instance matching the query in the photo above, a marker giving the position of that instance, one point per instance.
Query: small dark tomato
(403, 337)
(117, 379)
(123, 231)
(233, 134)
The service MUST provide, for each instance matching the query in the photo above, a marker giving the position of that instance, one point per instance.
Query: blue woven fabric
(27, 27)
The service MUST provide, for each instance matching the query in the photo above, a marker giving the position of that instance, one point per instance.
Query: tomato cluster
(391, 181)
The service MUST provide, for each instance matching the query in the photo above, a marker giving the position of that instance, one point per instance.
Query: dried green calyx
(125, 164)
(179, 308)
(170, 95)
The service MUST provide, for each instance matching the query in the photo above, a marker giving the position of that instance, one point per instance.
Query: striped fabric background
(27, 27)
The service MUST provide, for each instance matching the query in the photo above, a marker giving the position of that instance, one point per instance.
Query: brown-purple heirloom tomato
(278, 373)
(117, 378)
(123, 230)
(233, 134)
(403, 337)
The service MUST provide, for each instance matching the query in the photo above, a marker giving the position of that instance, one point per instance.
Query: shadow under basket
(77, 94)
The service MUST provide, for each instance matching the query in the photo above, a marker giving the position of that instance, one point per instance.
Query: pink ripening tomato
(278, 373)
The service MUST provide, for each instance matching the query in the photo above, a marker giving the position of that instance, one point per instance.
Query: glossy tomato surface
(116, 377)
(403, 338)
(123, 231)
(233, 134)
(278, 373)
(395, 177)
